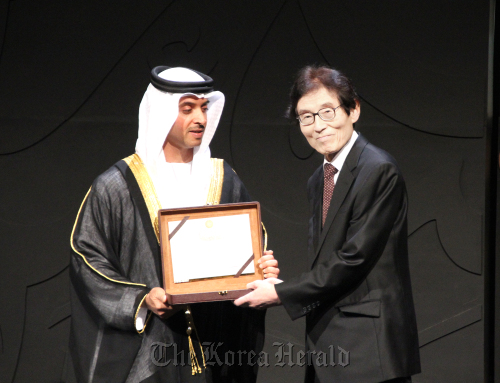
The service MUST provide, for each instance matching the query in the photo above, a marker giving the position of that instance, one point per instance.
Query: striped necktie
(329, 185)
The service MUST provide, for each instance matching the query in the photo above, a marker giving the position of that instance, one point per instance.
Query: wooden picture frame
(209, 289)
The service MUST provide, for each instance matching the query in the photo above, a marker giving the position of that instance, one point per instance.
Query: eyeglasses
(326, 114)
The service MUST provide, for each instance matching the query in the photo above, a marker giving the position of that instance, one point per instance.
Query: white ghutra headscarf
(177, 185)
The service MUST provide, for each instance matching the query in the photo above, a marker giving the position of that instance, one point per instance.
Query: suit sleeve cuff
(293, 309)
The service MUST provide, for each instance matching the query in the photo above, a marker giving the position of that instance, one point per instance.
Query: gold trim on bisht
(148, 317)
(85, 258)
(215, 189)
(148, 191)
(147, 187)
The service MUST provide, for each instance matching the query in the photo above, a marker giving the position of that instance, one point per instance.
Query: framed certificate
(210, 253)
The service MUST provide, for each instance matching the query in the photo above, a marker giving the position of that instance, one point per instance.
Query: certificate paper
(211, 247)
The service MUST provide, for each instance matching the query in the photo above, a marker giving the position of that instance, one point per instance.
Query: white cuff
(141, 318)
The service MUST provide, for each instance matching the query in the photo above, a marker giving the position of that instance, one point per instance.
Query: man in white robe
(122, 327)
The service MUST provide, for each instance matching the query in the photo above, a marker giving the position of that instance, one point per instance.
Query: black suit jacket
(357, 295)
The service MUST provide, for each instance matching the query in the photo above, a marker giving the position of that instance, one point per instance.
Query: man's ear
(355, 112)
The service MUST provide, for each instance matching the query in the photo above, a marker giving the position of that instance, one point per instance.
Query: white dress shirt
(339, 158)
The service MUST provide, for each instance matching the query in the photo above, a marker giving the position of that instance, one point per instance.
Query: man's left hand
(269, 265)
(263, 295)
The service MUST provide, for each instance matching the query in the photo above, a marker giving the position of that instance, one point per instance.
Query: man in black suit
(356, 294)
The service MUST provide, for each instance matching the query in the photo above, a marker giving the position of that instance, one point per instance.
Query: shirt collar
(339, 158)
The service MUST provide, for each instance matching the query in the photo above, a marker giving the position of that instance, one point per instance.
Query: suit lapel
(342, 187)
(317, 210)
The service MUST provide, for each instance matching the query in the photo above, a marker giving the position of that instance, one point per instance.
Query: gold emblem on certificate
(210, 233)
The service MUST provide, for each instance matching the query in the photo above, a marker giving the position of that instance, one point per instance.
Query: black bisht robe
(115, 261)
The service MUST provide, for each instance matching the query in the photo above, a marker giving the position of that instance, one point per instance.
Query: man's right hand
(156, 301)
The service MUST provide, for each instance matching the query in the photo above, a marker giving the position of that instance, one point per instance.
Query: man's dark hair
(312, 77)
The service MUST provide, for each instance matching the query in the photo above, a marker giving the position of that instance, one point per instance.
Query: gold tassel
(195, 366)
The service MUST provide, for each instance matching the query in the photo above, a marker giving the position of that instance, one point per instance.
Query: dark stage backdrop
(72, 75)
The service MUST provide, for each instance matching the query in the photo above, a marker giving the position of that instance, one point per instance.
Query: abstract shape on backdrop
(184, 47)
(459, 227)
(403, 47)
(49, 105)
(455, 301)
(46, 322)
(448, 326)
